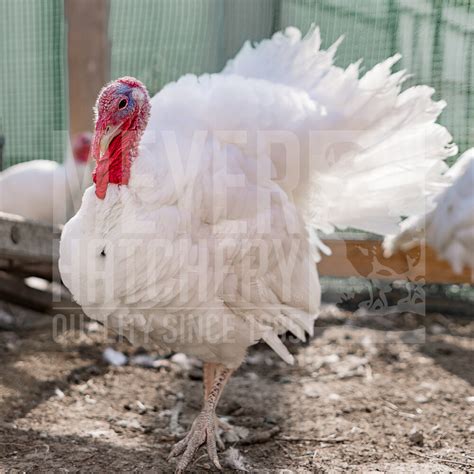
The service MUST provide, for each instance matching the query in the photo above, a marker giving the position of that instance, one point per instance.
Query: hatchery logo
(166, 330)
(252, 256)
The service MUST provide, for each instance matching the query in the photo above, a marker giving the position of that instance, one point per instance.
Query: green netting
(32, 79)
(159, 40)
(173, 37)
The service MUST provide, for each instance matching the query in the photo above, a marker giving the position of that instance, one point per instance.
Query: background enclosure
(159, 40)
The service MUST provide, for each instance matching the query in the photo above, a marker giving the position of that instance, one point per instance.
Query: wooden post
(2, 143)
(88, 58)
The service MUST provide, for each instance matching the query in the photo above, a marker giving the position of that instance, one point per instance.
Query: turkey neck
(114, 166)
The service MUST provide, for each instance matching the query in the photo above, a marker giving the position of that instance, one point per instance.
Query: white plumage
(45, 190)
(449, 227)
(360, 153)
(211, 243)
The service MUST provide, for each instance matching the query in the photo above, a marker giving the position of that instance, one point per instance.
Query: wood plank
(396, 297)
(29, 241)
(14, 290)
(364, 258)
(18, 318)
(88, 58)
(48, 271)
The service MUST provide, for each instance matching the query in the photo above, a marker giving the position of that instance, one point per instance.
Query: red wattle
(101, 179)
(114, 166)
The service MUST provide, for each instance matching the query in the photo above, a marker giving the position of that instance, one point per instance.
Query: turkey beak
(109, 134)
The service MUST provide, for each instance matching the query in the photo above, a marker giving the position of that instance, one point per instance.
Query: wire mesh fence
(33, 79)
(159, 40)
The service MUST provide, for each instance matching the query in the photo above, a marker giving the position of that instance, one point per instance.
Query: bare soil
(368, 394)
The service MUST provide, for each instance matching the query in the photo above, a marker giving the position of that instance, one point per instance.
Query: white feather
(275, 343)
(44, 190)
(216, 226)
(449, 227)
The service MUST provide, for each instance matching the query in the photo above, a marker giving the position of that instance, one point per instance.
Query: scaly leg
(209, 374)
(203, 429)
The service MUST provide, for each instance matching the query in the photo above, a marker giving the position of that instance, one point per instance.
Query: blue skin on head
(125, 90)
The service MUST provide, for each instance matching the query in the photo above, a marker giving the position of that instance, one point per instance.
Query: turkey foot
(204, 426)
(202, 431)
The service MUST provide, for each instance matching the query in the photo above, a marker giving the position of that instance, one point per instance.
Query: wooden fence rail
(354, 255)
(31, 248)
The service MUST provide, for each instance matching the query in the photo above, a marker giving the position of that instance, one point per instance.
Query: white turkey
(45, 190)
(199, 235)
(449, 227)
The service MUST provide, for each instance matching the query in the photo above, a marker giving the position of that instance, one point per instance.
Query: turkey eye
(122, 104)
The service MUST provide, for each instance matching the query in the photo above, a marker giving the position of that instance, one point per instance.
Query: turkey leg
(203, 429)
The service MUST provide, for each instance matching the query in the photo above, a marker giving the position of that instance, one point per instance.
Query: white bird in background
(449, 227)
(45, 190)
(199, 233)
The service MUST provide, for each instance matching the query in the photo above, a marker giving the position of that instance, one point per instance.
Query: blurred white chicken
(45, 190)
(449, 227)
(199, 234)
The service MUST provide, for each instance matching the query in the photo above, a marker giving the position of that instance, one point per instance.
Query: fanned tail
(378, 154)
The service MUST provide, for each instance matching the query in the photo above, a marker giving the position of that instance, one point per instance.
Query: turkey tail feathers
(378, 154)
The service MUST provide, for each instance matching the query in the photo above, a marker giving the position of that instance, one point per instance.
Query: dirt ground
(386, 394)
